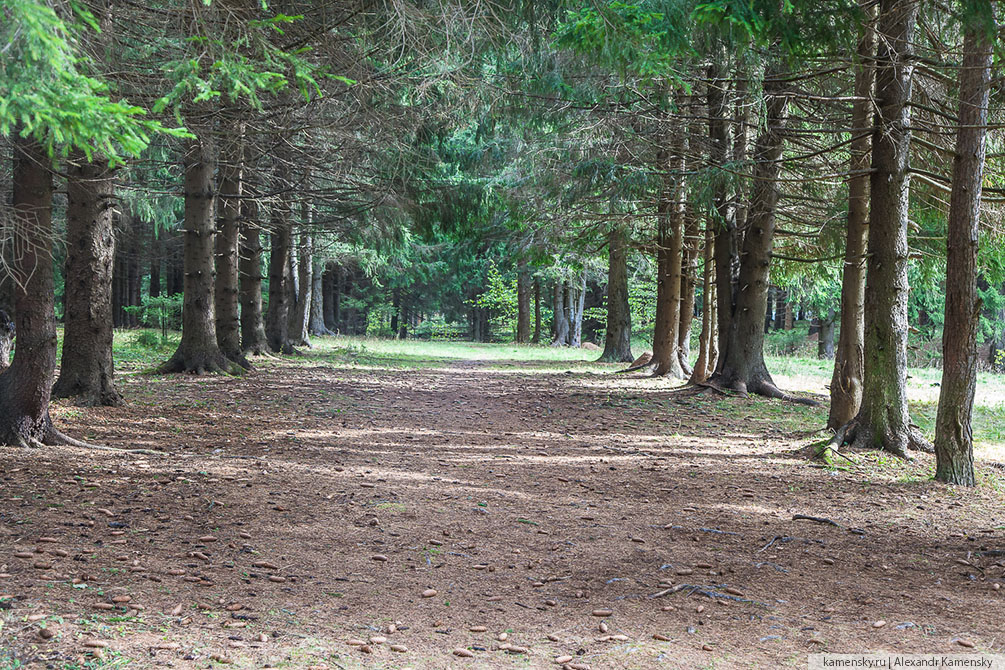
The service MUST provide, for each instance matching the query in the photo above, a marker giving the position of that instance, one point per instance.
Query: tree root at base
(54, 437)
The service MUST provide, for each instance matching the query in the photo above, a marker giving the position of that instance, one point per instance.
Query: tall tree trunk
(405, 320)
(725, 231)
(86, 371)
(742, 365)
(6, 338)
(304, 269)
(328, 289)
(618, 340)
(395, 310)
(670, 217)
(277, 322)
(26, 384)
(560, 318)
(340, 283)
(537, 311)
(522, 304)
(253, 339)
(846, 382)
(781, 308)
(316, 322)
(198, 351)
(227, 291)
(688, 286)
(705, 364)
(883, 420)
(577, 303)
(825, 337)
(954, 440)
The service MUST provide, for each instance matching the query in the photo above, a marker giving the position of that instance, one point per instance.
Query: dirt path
(311, 505)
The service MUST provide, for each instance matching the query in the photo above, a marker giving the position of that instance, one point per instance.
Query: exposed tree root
(852, 433)
(763, 388)
(200, 365)
(684, 365)
(53, 437)
(815, 519)
(634, 368)
(769, 390)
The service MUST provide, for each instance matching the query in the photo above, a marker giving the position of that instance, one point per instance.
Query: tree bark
(560, 319)
(253, 339)
(340, 282)
(299, 335)
(742, 365)
(522, 304)
(688, 286)
(669, 247)
(86, 371)
(277, 322)
(227, 291)
(198, 351)
(705, 365)
(618, 340)
(316, 323)
(954, 440)
(537, 311)
(825, 337)
(328, 288)
(725, 230)
(6, 339)
(577, 302)
(883, 420)
(26, 384)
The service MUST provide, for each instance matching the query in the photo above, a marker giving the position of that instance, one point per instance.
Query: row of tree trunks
(126, 281)
(277, 321)
(253, 339)
(882, 421)
(741, 357)
(198, 350)
(569, 300)
(227, 285)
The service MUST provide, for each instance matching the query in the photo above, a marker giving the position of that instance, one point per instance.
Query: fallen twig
(817, 519)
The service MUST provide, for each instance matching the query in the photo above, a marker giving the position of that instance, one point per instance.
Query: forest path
(316, 503)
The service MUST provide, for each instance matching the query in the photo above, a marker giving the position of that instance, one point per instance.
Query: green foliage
(500, 298)
(47, 93)
(241, 66)
(647, 39)
(163, 312)
(799, 28)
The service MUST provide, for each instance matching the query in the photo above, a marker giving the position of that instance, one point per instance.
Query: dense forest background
(684, 177)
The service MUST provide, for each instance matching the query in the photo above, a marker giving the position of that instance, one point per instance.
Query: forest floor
(373, 507)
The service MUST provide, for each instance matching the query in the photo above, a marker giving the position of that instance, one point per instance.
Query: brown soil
(526, 499)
